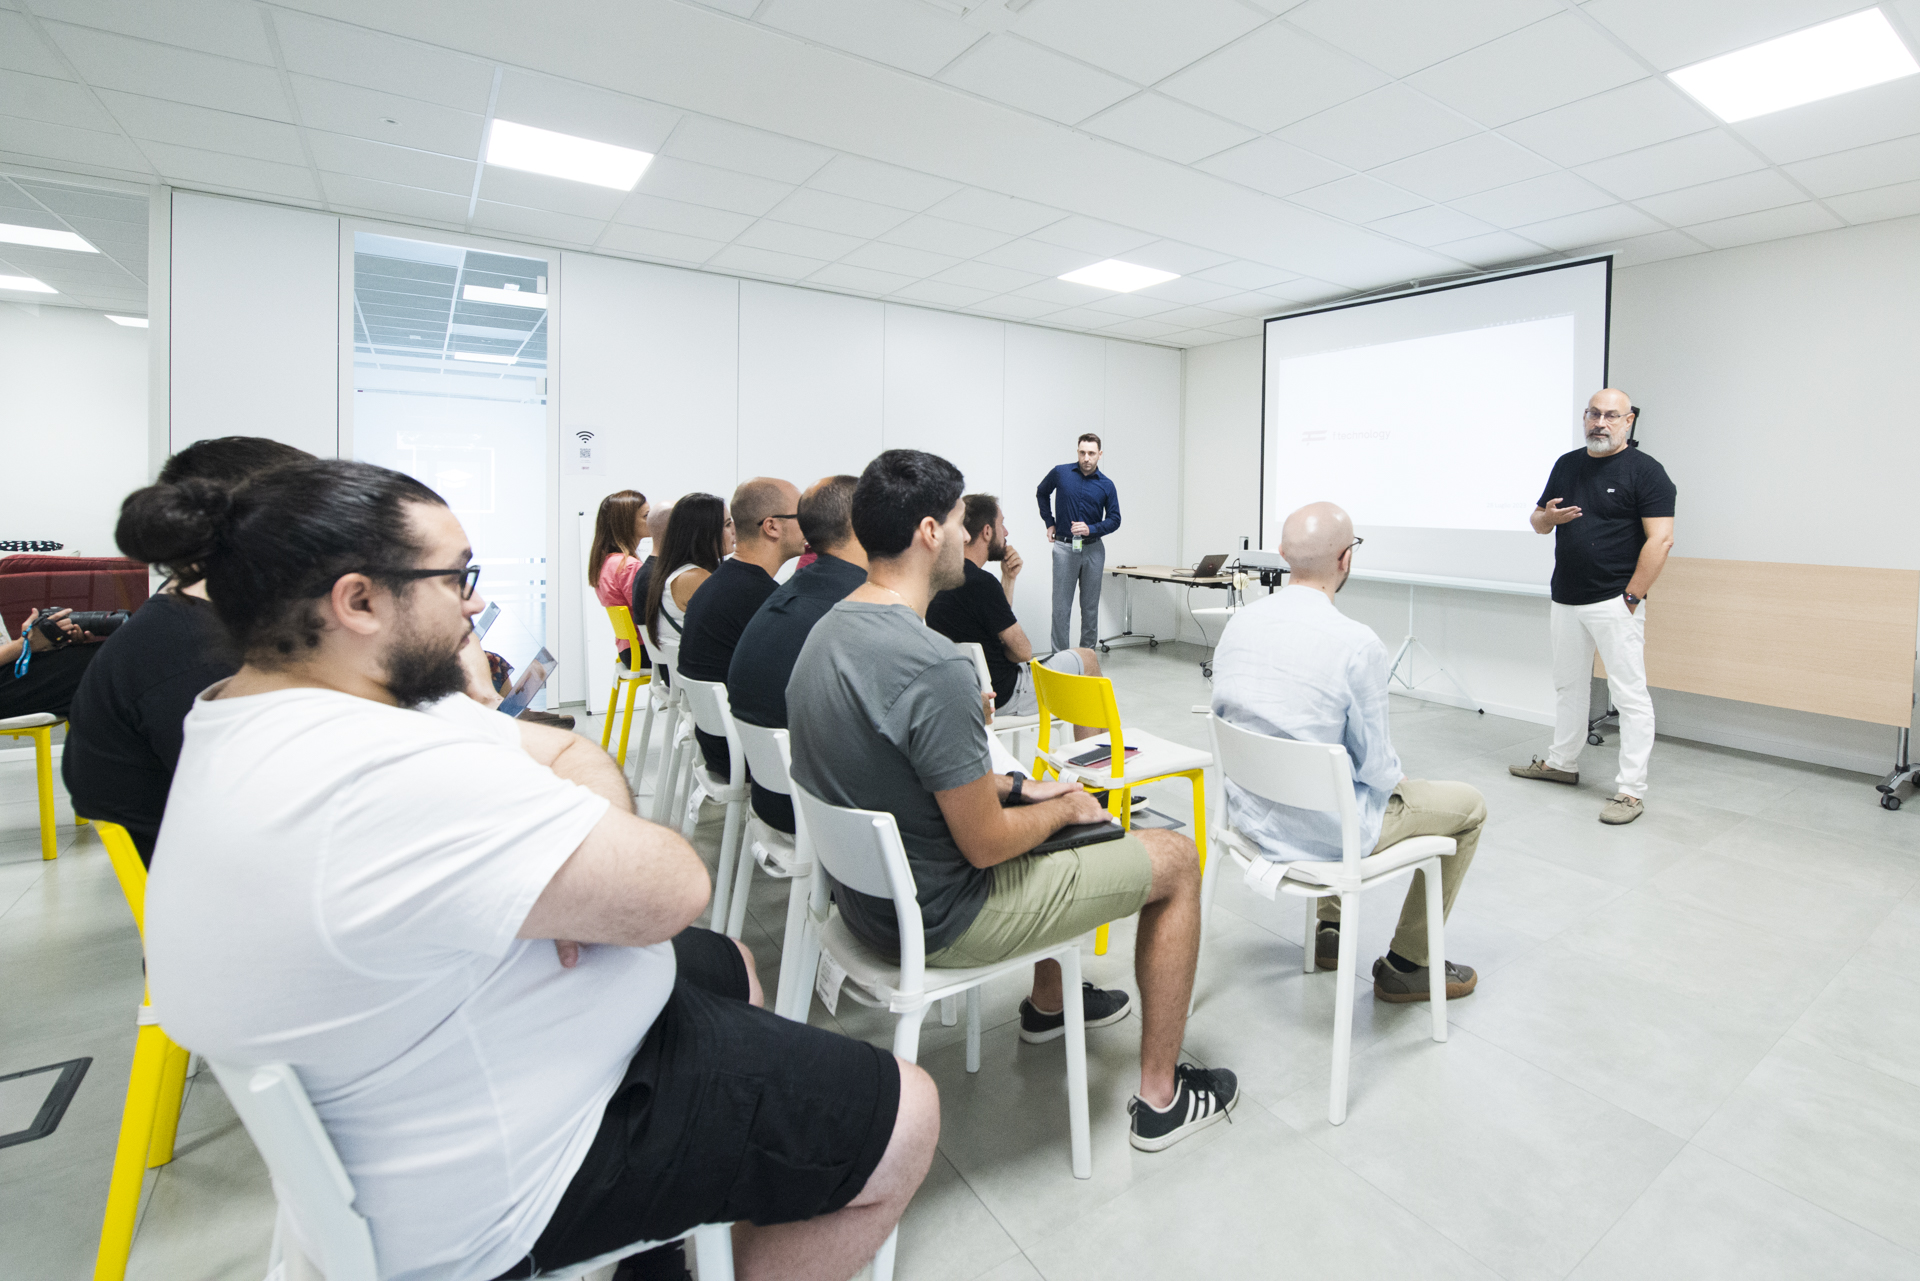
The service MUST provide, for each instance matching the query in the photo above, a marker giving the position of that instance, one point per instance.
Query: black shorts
(727, 1113)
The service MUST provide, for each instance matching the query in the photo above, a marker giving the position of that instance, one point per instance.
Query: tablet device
(1104, 829)
(531, 682)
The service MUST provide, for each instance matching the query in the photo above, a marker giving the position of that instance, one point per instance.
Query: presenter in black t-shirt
(1610, 509)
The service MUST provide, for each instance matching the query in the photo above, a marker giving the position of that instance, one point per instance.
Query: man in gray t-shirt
(886, 714)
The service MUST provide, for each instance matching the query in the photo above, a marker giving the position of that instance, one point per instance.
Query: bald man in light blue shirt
(1293, 666)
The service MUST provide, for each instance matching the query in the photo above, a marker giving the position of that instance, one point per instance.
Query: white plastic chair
(708, 709)
(769, 756)
(665, 687)
(1010, 729)
(316, 1217)
(1319, 776)
(861, 850)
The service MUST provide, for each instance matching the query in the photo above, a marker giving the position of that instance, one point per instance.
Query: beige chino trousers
(1419, 807)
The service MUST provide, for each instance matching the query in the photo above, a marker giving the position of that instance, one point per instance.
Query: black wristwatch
(1013, 796)
(1632, 600)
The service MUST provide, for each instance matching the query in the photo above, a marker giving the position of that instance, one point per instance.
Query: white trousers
(1621, 638)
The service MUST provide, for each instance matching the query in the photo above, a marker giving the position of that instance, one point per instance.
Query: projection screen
(1434, 416)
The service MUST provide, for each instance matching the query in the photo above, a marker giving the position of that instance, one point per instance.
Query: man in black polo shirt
(766, 527)
(981, 610)
(1610, 508)
(763, 660)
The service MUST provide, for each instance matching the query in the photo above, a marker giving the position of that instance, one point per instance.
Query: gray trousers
(1080, 569)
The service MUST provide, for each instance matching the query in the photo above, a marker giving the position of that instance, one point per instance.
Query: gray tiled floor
(1693, 1054)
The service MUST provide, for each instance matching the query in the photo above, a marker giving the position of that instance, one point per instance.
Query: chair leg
(166, 1115)
(723, 872)
(742, 873)
(43, 777)
(883, 1261)
(1078, 1126)
(669, 759)
(793, 949)
(613, 700)
(130, 1155)
(1436, 948)
(646, 741)
(1313, 937)
(713, 1251)
(973, 1029)
(1343, 1007)
(626, 722)
(949, 1012)
(1199, 778)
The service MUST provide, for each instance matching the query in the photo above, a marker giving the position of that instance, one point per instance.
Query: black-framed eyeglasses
(1608, 417)
(1355, 543)
(782, 516)
(469, 576)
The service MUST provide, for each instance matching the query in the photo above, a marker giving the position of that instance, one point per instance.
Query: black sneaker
(1099, 1006)
(1201, 1096)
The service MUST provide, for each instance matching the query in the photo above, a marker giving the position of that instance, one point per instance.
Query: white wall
(73, 398)
(694, 382)
(1777, 382)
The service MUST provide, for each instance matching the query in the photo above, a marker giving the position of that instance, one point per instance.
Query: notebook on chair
(1077, 834)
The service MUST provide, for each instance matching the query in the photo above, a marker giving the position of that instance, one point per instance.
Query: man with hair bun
(452, 926)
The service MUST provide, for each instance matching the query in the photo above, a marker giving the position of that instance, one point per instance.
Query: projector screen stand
(1405, 656)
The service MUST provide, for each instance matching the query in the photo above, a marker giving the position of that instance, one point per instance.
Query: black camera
(98, 622)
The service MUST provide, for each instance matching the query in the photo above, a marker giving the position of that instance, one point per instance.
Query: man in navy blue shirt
(1086, 510)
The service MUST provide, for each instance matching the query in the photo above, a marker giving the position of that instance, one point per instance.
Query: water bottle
(1076, 542)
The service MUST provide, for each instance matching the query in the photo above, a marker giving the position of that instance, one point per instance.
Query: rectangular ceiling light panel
(1121, 277)
(561, 155)
(25, 285)
(1821, 62)
(486, 359)
(510, 296)
(131, 322)
(43, 238)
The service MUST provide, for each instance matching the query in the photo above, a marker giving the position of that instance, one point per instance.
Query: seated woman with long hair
(614, 558)
(699, 535)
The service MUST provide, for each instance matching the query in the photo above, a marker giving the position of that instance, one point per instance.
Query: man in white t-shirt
(453, 927)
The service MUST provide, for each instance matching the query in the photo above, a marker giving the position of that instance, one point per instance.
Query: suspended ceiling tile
(1244, 275)
(1862, 168)
(1197, 317)
(109, 61)
(1768, 224)
(1277, 168)
(1358, 198)
(1402, 36)
(1063, 293)
(658, 245)
(914, 37)
(801, 242)
(1894, 201)
(1723, 198)
(940, 235)
(365, 113)
(546, 102)
(374, 60)
(755, 151)
(843, 214)
(946, 295)
(1167, 128)
(1252, 304)
(1148, 329)
(1674, 35)
(192, 167)
(863, 280)
(1551, 195)
(1634, 115)
(1198, 337)
(556, 195)
(985, 275)
(63, 102)
(1495, 249)
(337, 153)
(675, 179)
(541, 224)
(1272, 78)
(393, 200)
(21, 49)
(1557, 60)
(1024, 75)
(1594, 227)
(1001, 213)
(1667, 166)
(1037, 257)
(1856, 119)
(189, 126)
(1188, 290)
(1090, 235)
(1658, 247)
(681, 219)
(1134, 305)
(883, 184)
(1433, 225)
(228, 28)
(1016, 308)
(900, 259)
(1082, 318)
(1240, 328)
(764, 262)
(1143, 40)
(1171, 255)
(46, 141)
(738, 8)
(1388, 124)
(1472, 165)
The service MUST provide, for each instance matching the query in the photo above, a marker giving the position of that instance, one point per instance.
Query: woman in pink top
(617, 530)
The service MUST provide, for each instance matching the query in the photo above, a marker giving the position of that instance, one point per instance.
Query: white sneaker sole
(1186, 1131)
(1054, 1034)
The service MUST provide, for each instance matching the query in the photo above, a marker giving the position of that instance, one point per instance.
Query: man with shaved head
(1293, 666)
(1610, 510)
(766, 528)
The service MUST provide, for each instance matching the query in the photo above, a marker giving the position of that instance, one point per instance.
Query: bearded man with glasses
(1610, 510)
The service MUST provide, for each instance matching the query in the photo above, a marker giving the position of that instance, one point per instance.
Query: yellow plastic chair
(39, 727)
(1089, 701)
(632, 678)
(152, 1114)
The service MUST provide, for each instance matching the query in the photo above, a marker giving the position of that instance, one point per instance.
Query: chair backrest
(978, 653)
(1078, 700)
(1308, 776)
(657, 654)
(861, 849)
(308, 1178)
(622, 619)
(128, 868)
(769, 755)
(707, 700)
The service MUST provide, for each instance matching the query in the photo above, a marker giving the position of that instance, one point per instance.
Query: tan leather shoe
(1541, 770)
(1622, 809)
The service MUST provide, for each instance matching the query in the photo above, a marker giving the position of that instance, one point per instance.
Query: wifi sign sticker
(583, 456)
